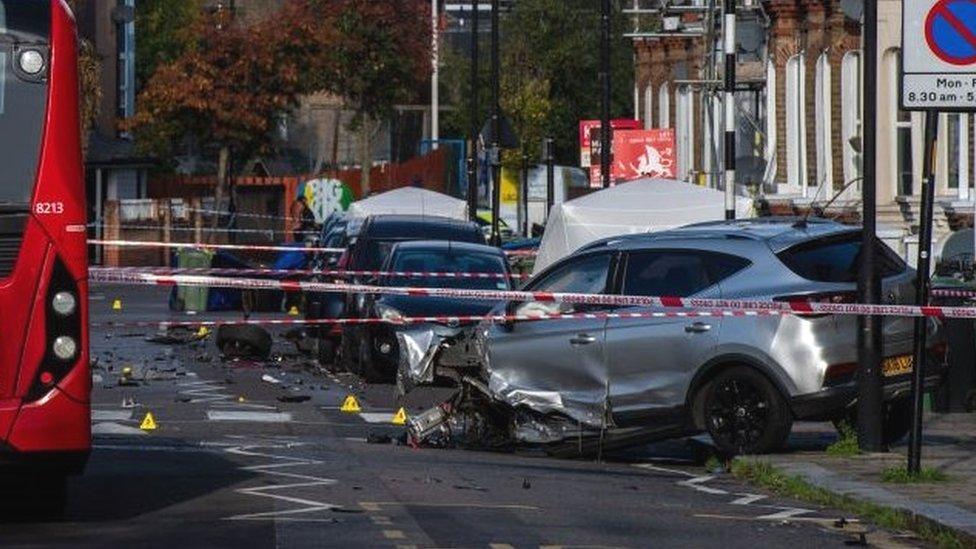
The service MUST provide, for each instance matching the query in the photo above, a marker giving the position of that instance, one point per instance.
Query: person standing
(303, 218)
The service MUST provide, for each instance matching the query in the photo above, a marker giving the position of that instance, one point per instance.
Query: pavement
(259, 455)
(948, 445)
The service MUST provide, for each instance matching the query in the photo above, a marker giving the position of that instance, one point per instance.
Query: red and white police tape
(450, 320)
(99, 271)
(950, 292)
(127, 227)
(246, 247)
(795, 307)
(188, 245)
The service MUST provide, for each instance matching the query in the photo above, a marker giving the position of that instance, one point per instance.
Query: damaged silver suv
(744, 380)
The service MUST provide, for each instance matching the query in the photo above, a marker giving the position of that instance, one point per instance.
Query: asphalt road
(232, 465)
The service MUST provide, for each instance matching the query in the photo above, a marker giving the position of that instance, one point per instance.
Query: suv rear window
(836, 259)
(678, 273)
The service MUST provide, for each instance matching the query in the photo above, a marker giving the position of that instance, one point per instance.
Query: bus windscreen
(24, 54)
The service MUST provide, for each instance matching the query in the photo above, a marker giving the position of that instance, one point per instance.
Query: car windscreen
(449, 262)
(24, 36)
(836, 259)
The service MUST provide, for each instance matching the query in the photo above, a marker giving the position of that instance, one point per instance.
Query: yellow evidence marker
(350, 405)
(148, 423)
(400, 418)
(117, 305)
(293, 311)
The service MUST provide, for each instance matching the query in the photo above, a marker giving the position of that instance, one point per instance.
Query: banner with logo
(638, 154)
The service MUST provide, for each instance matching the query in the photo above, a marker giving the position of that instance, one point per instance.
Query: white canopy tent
(410, 201)
(641, 206)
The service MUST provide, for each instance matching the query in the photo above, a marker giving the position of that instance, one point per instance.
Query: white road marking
(747, 499)
(212, 392)
(254, 417)
(786, 513)
(111, 415)
(651, 467)
(696, 484)
(273, 468)
(112, 428)
(376, 417)
(204, 392)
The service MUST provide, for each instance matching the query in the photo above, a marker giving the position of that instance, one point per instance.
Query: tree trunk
(222, 163)
(365, 154)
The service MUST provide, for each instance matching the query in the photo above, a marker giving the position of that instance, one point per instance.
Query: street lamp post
(869, 336)
(729, 36)
(435, 107)
(475, 125)
(495, 154)
(547, 146)
(605, 85)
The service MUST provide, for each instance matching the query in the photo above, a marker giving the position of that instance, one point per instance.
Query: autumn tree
(232, 82)
(229, 86)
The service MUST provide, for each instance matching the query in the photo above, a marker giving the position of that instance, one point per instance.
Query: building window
(850, 97)
(796, 124)
(125, 39)
(957, 153)
(903, 151)
(684, 113)
(648, 107)
(770, 152)
(825, 161)
(664, 107)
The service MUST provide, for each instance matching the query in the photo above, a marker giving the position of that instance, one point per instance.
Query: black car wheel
(367, 364)
(244, 341)
(349, 350)
(745, 413)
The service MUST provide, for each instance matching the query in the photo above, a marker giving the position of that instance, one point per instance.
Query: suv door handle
(582, 339)
(698, 328)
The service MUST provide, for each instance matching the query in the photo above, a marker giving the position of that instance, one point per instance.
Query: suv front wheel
(745, 413)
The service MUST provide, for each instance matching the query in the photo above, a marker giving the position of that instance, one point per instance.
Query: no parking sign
(939, 55)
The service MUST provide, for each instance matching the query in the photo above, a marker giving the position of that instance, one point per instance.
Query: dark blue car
(379, 349)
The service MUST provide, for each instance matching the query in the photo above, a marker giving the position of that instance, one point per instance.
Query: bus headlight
(65, 347)
(64, 303)
(31, 62)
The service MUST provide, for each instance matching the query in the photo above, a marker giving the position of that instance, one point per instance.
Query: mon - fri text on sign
(939, 55)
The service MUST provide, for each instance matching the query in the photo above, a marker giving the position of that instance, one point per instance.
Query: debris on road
(270, 379)
(294, 399)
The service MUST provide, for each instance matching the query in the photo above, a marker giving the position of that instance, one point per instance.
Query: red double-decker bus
(45, 379)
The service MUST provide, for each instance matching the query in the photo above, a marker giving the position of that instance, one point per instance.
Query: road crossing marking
(375, 417)
(696, 482)
(282, 492)
(254, 417)
(111, 415)
(212, 392)
(111, 428)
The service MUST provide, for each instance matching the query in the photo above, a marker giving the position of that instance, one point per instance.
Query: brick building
(798, 102)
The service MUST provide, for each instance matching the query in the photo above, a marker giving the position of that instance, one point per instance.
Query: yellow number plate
(897, 365)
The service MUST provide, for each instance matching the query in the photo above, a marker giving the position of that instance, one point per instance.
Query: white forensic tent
(641, 206)
(410, 201)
